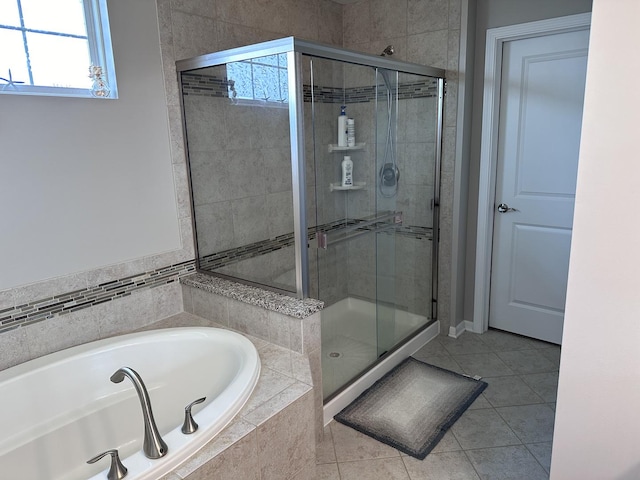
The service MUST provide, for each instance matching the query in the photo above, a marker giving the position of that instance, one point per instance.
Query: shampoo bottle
(351, 132)
(342, 127)
(347, 172)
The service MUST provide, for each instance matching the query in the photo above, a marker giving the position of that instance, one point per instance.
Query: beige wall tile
(428, 16)
(286, 442)
(357, 23)
(202, 8)
(61, 332)
(428, 48)
(210, 306)
(240, 460)
(15, 348)
(388, 19)
(248, 319)
(193, 35)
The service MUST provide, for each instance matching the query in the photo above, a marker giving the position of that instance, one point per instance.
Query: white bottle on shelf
(351, 132)
(347, 172)
(342, 127)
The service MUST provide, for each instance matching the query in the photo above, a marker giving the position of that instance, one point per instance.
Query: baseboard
(458, 330)
(463, 326)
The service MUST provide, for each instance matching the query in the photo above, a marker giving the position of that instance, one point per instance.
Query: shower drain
(334, 355)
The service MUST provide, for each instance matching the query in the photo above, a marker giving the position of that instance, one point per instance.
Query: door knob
(504, 208)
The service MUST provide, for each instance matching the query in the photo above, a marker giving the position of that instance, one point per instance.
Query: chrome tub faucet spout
(153, 445)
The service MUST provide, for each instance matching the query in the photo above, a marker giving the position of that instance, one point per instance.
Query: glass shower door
(353, 263)
(387, 184)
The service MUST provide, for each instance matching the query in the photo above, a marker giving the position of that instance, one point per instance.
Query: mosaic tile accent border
(51, 307)
(37, 311)
(211, 86)
(264, 247)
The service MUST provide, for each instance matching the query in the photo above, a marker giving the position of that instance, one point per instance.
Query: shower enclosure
(269, 206)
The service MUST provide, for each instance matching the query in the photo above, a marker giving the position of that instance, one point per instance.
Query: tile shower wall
(187, 28)
(428, 33)
(401, 272)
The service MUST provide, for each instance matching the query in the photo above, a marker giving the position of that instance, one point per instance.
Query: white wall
(597, 433)
(86, 183)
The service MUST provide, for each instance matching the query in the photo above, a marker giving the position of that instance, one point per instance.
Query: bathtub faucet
(153, 445)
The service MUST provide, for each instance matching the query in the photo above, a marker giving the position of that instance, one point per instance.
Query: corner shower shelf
(335, 148)
(338, 186)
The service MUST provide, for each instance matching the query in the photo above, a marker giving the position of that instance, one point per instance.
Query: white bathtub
(60, 410)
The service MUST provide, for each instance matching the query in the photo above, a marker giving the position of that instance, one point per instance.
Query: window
(56, 47)
(261, 79)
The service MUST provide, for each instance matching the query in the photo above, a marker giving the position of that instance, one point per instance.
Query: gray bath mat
(412, 406)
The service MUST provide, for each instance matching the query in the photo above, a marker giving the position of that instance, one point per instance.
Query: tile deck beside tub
(273, 435)
(278, 319)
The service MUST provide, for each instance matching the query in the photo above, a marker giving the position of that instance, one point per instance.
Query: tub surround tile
(183, 319)
(239, 460)
(278, 417)
(78, 296)
(286, 443)
(274, 405)
(246, 319)
(276, 302)
(311, 334)
(234, 432)
(270, 384)
(171, 476)
(301, 368)
(167, 300)
(15, 348)
(279, 329)
(61, 332)
(277, 358)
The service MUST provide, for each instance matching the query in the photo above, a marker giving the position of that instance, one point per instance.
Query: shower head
(388, 51)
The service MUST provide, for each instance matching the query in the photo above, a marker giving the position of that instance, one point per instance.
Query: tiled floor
(505, 434)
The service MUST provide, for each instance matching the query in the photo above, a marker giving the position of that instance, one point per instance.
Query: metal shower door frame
(294, 49)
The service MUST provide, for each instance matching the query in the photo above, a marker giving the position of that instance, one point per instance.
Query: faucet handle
(189, 426)
(117, 471)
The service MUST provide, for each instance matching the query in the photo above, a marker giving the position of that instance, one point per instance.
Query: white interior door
(540, 118)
